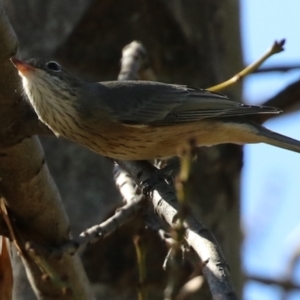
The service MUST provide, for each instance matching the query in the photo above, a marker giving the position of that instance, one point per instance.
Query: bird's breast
(142, 142)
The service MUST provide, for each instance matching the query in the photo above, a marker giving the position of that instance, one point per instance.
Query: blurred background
(271, 186)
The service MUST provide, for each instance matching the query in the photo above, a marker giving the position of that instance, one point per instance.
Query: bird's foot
(148, 185)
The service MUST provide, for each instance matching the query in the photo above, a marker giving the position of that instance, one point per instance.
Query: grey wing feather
(144, 102)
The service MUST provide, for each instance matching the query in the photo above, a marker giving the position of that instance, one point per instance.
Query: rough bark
(32, 199)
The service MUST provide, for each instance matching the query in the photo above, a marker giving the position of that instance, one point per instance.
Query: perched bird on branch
(136, 120)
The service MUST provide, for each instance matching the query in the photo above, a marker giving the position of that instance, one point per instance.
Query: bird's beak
(23, 67)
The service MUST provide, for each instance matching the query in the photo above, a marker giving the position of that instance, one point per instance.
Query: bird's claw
(148, 185)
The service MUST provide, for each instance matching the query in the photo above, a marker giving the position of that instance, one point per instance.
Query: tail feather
(277, 139)
(245, 131)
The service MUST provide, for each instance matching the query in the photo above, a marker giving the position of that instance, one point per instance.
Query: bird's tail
(276, 139)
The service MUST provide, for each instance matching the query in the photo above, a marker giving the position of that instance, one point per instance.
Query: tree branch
(285, 284)
(275, 48)
(288, 100)
(215, 269)
(282, 69)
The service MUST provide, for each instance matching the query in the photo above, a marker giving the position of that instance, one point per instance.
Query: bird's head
(45, 72)
(46, 81)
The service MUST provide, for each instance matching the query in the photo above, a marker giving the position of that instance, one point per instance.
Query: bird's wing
(145, 103)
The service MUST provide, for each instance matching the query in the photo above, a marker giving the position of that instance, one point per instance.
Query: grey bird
(136, 120)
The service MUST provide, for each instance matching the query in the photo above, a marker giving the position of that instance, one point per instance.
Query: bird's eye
(53, 66)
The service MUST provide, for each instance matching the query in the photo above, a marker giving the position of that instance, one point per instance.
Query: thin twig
(38, 254)
(175, 278)
(294, 260)
(287, 99)
(290, 270)
(98, 232)
(282, 69)
(276, 48)
(285, 284)
(9, 225)
(141, 250)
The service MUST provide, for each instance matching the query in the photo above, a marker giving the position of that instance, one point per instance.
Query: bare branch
(133, 57)
(215, 269)
(282, 69)
(295, 257)
(182, 186)
(276, 48)
(288, 99)
(9, 225)
(135, 63)
(285, 284)
(141, 251)
(122, 216)
(98, 232)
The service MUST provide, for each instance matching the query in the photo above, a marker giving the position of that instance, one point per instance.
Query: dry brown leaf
(6, 276)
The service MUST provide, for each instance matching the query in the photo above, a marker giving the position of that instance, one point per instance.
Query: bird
(139, 120)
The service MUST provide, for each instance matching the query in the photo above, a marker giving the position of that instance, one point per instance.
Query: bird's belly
(148, 142)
